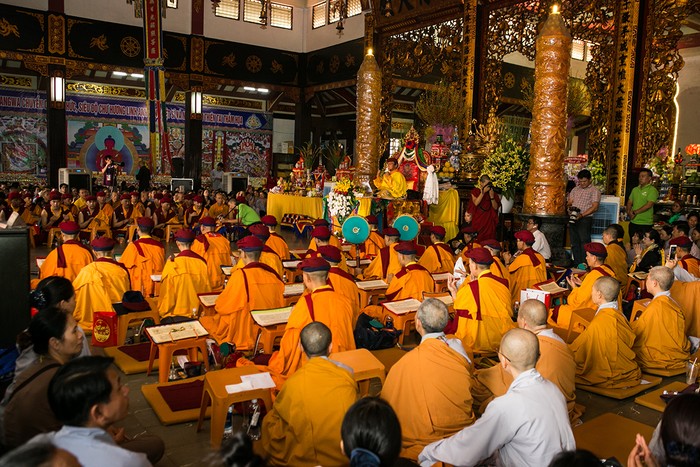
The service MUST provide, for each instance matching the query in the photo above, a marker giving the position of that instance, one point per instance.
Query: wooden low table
(371, 294)
(610, 435)
(167, 349)
(365, 367)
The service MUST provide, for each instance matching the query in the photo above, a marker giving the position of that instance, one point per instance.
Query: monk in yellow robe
(686, 295)
(392, 183)
(374, 243)
(341, 281)
(106, 209)
(15, 200)
(685, 260)
(556, 363)
(183, 278)
(124, 216)
(603, 352)
(323, 236)
(99, 284)
(144, 257)
(497, 268)
(303, 427)
(527, 268)
(215, 249)
(381, 265)
(275, 242)
(580, 295)
(617, 255)
(483, 311)
(429, 387)
(69, 257)
(255, 286)
(661, 342)
(219, 208)
(438, 257)
(322, 304)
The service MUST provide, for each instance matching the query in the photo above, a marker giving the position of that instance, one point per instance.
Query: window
(582, 50)
(252, 10)
(280, 16)
(354, 7)
(318, 15)
(228, 9)
(395, 145)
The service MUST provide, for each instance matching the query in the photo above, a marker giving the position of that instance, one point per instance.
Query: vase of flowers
(508, 167)
(341, 201)
(598, 178)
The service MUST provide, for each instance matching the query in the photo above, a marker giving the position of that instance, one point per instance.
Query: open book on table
(272, 316)
(401, 307)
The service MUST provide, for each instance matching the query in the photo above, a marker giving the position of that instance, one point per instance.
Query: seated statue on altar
(345, 169)
(391, 183)
(413, 161)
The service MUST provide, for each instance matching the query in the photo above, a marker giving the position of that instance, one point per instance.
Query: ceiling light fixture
(263, 90)
(136, 75)
(119, 73)
(248, 88)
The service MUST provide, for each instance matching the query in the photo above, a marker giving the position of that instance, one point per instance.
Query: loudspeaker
(14, 307)
(187, 184)
(76, 178)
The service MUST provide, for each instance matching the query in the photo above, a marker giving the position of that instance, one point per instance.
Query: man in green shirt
(640, 205)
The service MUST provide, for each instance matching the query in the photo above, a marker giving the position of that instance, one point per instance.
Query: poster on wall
(23, 145)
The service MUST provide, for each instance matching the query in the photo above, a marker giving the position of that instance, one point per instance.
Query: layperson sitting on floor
(215, 249)
(144, 257)
(69, 257)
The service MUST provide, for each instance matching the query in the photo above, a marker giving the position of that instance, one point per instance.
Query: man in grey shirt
(528, 425)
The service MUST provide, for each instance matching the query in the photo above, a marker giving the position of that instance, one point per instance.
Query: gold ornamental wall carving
(57, 34)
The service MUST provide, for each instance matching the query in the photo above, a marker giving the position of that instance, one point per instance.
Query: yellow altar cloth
(446, 212)
(278, 205)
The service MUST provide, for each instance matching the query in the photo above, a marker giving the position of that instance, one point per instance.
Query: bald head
(316, 339)
(533, 313)
(663, 277)
(433, 315)
(521, 348)
(608, 287)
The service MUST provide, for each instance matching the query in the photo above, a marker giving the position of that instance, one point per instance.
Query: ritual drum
(407, 226)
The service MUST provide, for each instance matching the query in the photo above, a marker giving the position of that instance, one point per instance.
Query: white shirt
(453, 343)
(683, 275)
(541, 244)
(528, 425)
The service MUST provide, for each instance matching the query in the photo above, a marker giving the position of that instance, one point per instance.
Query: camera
(574, 214)
(119, 164)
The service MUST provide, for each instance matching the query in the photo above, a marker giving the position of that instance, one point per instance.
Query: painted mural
(23, 145)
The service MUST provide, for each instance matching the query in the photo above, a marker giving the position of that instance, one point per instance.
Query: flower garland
(341, 200)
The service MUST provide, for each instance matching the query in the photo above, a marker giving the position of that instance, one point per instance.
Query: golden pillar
(369, 96)
(545, 190)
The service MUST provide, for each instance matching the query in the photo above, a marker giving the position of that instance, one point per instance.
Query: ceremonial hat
(259, 230)
(91, 198)
(438, 230)
(240, 199)
(393, 159)
(54, 195)
(132, 300)
(480, 255)
(313, 264)
(330, 253)
(391, 232)
(189, 196)
(371, 219)
(198, 199)
(269, 220)
(135, 194)
(492, 243)
(597, 249)
(321, 232)
(208, 221)
(66, 196)
(14, 195)
(69, 227)
(683, 242)
(185, 236)
(166, 199)
(158, 195)
(101, 193)
(250, 243)
(125, 196)
(103, 244)
(406, 248)
(145, 222)
(526, 236)
(321, 223)
(469, 230)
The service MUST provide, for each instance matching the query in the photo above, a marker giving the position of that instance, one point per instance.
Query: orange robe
(66, 260)
(482, 313)
(216, 251)
(370, 248)
(498, 269)
(216, 210)
(183, 278)
(410, 282)
(344, 284)
(429, 389)
(333, 241)
(617, 260)
(107, 211)
(143, 258)
(580, 297)
(303, 427)
(254, 287)
(278, 245)
(686, 295)
(691, 264)
(268, 257)
(438, 258)
(660, 341)
(603, 352)
(380, 265)
(98, 285)
(527, 269)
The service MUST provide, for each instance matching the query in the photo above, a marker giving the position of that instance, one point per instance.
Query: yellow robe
(278, 245)
(76, 257)
(523, 273)
(97, 286)
(182, 279)
(498, 269)
(691, 264)
(660, 341)
(143, 258)
(392, 183)
(269, 258)
(107, 211)
(303, 427)
(253, 287)
(429, 389)
(438, 258)
(332, 241)
(370, 248)
(603, 352)
(344, 284)
(617, 260)
(216, 252)
(686, 295)
(216, 210)
(410, 282)
(482, 313)
(580, 297)
(380, 265)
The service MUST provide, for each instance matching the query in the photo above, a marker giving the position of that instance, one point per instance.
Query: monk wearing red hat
(341, 281)
(215, 249)
(195, 212)
(438, 257)
(268, 255)
(184, 277)
(106, 209)
(527, 267)
(275, 242)
(497, 267)
(144, 257)
(124, 216)
(167, 214)
(322, 235)
(254, 286)
(483, 309)
(386, 264)
(99, 284)
(686, 261)
(69, 257)
(374, 243)
(52, 215)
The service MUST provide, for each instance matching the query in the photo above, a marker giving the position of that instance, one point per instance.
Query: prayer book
(372, 285)
(251, 382)
(291, 290)
(176, 331)
(272, 316)
(208, 299)
(401, 307)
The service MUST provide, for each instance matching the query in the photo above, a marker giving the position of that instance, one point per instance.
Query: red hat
(101, 193)
(145, 222)
(250, 243)
(391, 232)
(438, 231)
(269, 220)
(208, 221)
(54, 195)
(406, 248)
(14, 195)
(492, 243)
(372, 219)
(330, 253)
(135, 194)
(125, 196)
(66, 196)
(198, 199)
(166, 199)
(393, 159)
(683, 242)
(189, 196)
(158, 195)
(321, 223)
(313, 264)
(469, 230)
(321, 232)
(597, 249)
(240, 199)
(91, 198)
(103, 244)
(260, 231)
(185, 236)
(69, 227)
(480, 255)
(526, 236)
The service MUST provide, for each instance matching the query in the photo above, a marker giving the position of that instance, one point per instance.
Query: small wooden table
(371, 294)
(610, 435)
(167, 349)
(653, 399)
(365, 367)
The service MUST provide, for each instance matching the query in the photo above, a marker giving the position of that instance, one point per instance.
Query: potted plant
(441, 109)
(508, 167)
(335, 153)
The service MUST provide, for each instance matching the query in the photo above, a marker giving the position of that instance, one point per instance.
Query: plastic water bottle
(254, 425)
(639, 293)
(516, 308)
(228, 426)
(389, 322)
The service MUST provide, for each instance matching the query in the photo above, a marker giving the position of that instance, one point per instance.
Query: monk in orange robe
(685, 260)
(69, 257)
(380, 266)
(374, 243)
(661, 342)
(254, 286)
(275, 242)
(580, 295)
(438, 257)
(556, 363)
(303, 427)
(603, 352)
(323, 239)
(429, 387)
(105, 208)
(617, 255)
(468, 242)
(341, 281)
(193, 214)
(144, 257)
(219, 209)
(124, 216)
(184, 277)
(215, 249)
(15, 200)
(99, 284)
(268, 256)
(498, 269)
(483, 311)
(686, 295)
(322, 304)
(527, 268)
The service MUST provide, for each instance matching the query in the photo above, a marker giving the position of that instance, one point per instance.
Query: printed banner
(23, 145)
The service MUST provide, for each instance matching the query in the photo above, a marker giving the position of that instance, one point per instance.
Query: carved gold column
(545, 188)
(369, 94)
(468, 62)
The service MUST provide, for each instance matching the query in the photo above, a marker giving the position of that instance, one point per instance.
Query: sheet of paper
(353, 263)
(177, 331)
(551, 287)
(271, 317)
(251, 382)
(298, 253)
(291, 264)
(291, 290)
(156, 277)
(644, 382)
(209, 299)
(441, 277)
(181, 360)
(638, 275)
(226, 270)
(370, 285)
(346, 247)
(40, 261)
(401, 307)
(446, 299)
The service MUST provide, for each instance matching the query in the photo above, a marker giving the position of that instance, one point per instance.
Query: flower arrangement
(341, 200)
(692, 149)
(597, 170)
(508, 167)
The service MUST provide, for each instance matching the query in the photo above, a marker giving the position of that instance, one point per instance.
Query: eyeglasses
(502, 354)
